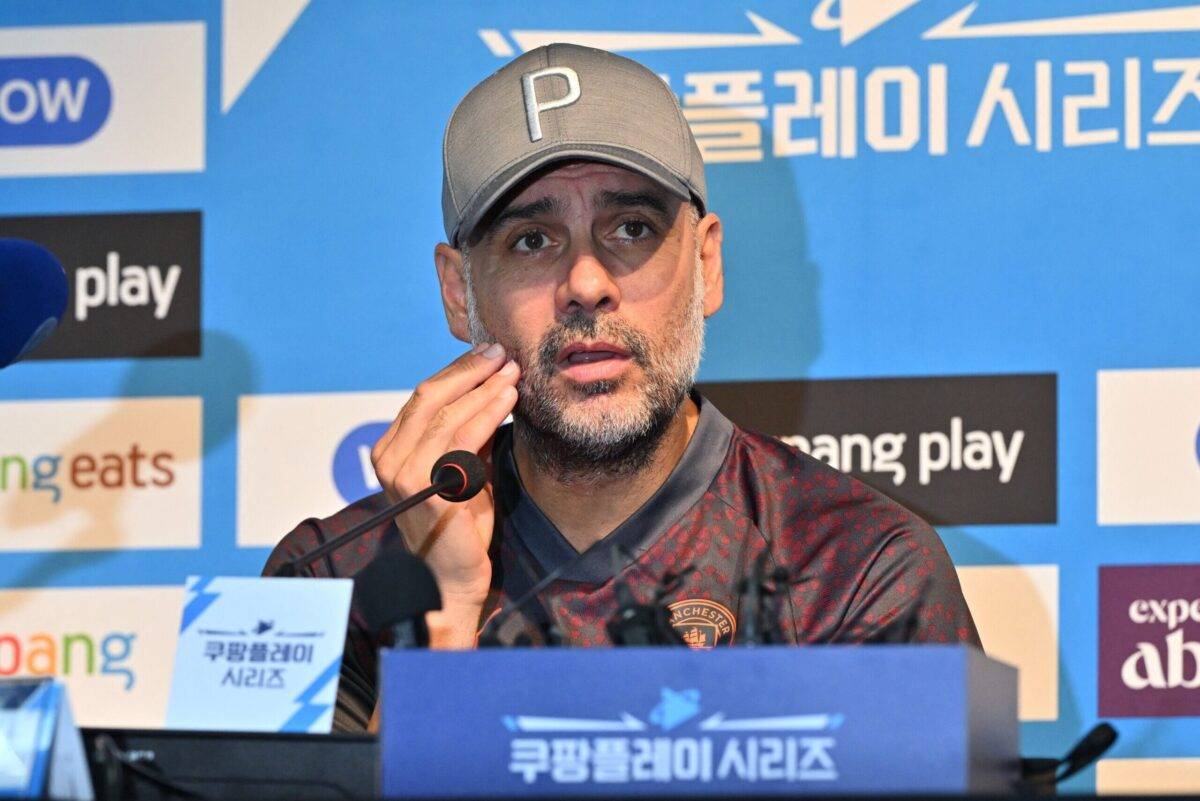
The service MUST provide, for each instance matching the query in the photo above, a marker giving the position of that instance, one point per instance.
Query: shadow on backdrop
(770, 325)
(1048, 738)
(225, 370)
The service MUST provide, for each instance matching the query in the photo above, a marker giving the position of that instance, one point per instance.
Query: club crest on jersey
(703, 624)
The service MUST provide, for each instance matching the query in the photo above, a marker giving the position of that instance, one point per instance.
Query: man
(581, 261)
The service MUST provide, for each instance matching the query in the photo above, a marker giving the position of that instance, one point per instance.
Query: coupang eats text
(51, 473)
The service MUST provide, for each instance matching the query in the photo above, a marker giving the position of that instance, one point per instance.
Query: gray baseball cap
(562, 101)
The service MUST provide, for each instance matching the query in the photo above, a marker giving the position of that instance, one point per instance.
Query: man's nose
(588, 285)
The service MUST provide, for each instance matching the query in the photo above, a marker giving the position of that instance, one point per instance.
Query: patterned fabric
(861, 568)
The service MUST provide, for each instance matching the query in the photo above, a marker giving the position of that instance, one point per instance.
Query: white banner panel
(102, 99)
(305, 456)
(1015, 608)
(1148, 776)
(100, 474)
(1148, 446)
(113, 647)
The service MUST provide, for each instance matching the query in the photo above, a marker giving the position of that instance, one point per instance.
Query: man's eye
(634, 229)
(530, 241)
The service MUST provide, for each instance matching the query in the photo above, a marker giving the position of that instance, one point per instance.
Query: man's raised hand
(459, 408)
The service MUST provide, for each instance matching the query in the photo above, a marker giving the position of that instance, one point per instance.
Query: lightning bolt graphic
(1148, 20)
(200, 600)
(766, 33)
(309, 713)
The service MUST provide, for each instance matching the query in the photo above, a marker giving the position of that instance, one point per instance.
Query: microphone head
(466, 469)
(395, 586)
(33, 296)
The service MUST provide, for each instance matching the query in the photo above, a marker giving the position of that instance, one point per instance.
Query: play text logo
(955, 449)
(134, 283)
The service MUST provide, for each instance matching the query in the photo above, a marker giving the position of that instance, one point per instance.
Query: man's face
(591, 278)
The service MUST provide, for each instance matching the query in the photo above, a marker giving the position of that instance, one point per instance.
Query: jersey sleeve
(356, 696)
(909, 593)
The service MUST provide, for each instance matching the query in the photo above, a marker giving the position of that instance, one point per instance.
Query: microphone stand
(289, 569)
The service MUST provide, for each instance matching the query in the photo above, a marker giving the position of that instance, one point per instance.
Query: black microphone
(457, 476)
(758, 599)
(1040, 774)
(489, 637)
(750, 590)
(393, 593)
(635, 623)
(33, 296)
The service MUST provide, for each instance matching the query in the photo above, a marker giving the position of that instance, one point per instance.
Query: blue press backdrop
(321, 206)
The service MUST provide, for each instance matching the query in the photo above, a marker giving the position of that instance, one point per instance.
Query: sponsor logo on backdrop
(102, 99)
(52, 100)
(353, 473)
(1015, 608)
(853, 19)
(1148, 446)
(78, 653)
(112, 646)
(305, 456)
(100, 474)
(134, 282)
(844, 111)
(691, 745)
(1145, 777)
(957, 450)
(1150, 641)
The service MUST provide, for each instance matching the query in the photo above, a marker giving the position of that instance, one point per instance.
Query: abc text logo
(51, 100)
(1146, 667)
(1150, 640)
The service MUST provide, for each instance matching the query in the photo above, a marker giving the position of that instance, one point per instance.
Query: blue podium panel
(666, 721)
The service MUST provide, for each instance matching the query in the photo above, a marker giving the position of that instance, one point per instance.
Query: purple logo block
(1150, 641)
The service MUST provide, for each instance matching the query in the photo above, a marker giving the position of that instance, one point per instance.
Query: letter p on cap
(533, 108)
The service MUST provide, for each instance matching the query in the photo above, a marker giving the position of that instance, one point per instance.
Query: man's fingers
(475, 433)
(459, 377)
(451, 383)
(439, 436)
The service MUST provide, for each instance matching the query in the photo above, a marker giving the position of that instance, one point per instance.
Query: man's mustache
(585, 326)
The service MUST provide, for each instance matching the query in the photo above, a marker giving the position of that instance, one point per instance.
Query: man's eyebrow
(525, 211)
(652, 200)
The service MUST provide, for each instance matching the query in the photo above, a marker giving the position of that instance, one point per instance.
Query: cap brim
(504, 181)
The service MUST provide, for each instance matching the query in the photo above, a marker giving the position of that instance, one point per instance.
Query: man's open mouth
(592, 361)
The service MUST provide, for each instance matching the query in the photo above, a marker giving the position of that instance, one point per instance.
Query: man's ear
(708, 231)
(449, 265)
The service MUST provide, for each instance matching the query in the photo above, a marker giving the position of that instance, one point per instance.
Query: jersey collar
(684, 487)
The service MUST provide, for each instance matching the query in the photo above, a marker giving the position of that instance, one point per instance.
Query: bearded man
(581, 261)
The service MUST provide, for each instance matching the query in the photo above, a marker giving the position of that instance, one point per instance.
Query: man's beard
(580, 446)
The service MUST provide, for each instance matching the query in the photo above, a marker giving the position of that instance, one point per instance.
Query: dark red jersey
(862, 568)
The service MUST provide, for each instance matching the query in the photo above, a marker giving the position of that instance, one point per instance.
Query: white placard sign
(259, 654)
